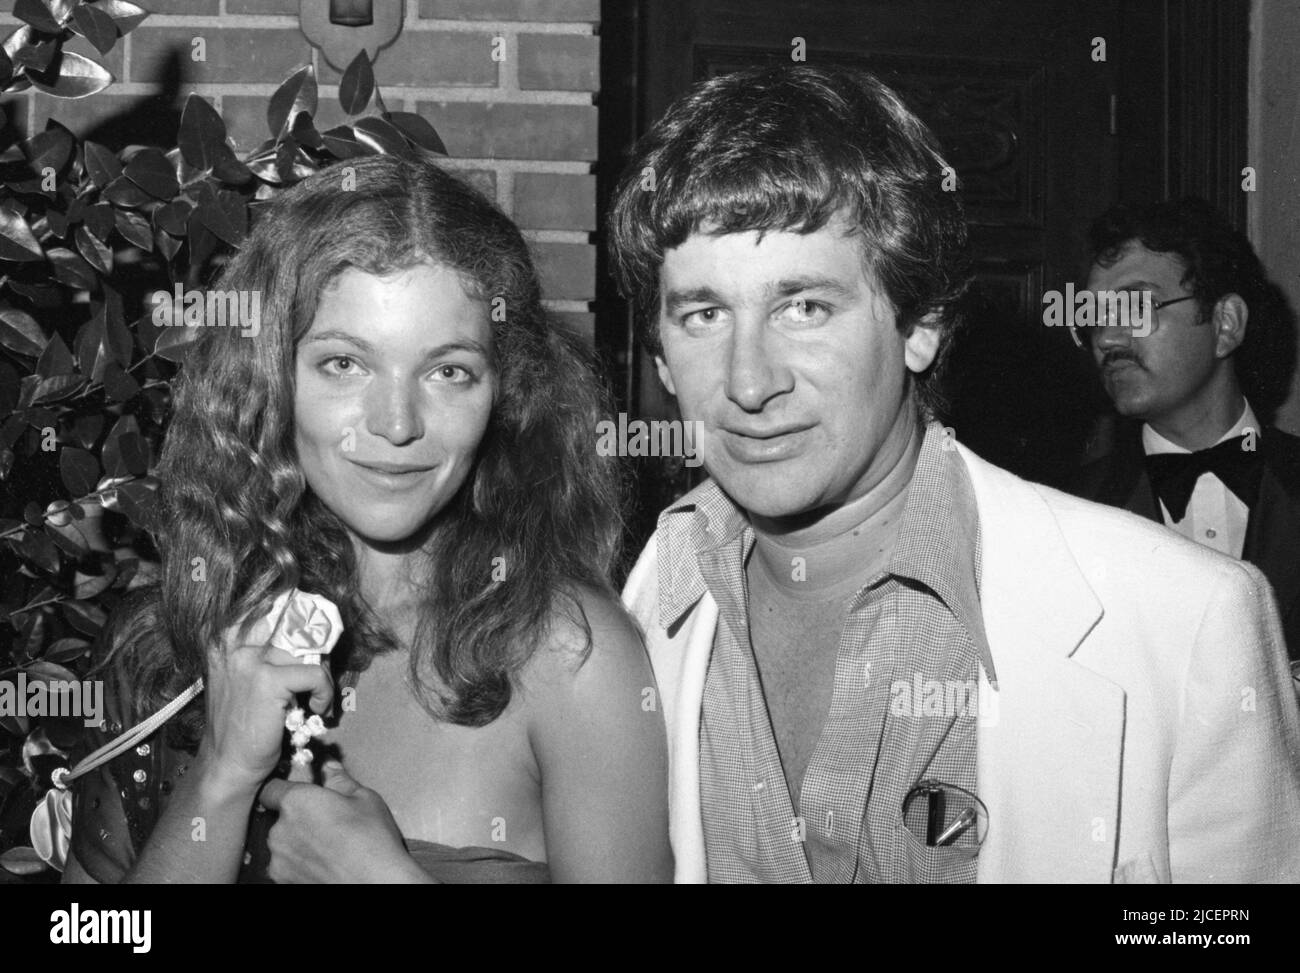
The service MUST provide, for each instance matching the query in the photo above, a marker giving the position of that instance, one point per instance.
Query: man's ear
(1230, 316)
(665, 375)
(922, 343)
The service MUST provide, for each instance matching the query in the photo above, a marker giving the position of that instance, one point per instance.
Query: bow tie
(1174, 475)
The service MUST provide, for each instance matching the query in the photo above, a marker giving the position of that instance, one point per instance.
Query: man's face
(790, 357)
(1151, 376)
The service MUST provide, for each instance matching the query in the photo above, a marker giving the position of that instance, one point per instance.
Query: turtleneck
(831, 558)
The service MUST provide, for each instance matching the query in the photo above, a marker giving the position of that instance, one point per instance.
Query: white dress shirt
(1215, 516)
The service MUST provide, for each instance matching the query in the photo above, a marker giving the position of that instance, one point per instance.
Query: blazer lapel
(1273, 535)
(1049, 757)
(1126, 484)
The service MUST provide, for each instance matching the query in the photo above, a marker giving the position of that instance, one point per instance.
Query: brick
(555, 201)
(559, 62)
(233, 54)
(577, 323)
(536, 10)
(263, 7)
(430, 58)
(567, 270)
(512, 131)
(182, 6)
(115, 121)
(484, 180)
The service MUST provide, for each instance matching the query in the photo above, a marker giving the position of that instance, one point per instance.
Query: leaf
(98, 220)
(202, 134)
(173, 343)
(79, 470)
(89, 344)
(77, 77)
(101, 164)
(52, 147)
(166, 244)
(72, 270)
(304, 131)
(96, 26)
(86, 428)
(126, 15)
(88, 586)
(38, 15)
(358, 84)
(66, 650)
(150, 170)
(30, 51)
(119, 384)
(123, 192)
(381, 136)
(55, 359)
(342, 143)
(69, 540)
(56, 387)
(296, 94)
(85, 616)
(22, 860)
(174, 217)
(135, 228)
(418, 130)
(20, 333)
(47, 672)
(126, 452)
(16, 239)
(97, 255)
(39, 549)
(225, 214)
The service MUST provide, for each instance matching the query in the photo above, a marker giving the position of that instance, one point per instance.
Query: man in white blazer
(795, 260)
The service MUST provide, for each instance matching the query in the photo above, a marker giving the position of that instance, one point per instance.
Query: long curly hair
(234, 495)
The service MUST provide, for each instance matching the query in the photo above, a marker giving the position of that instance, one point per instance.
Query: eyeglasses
(1118, 311)
(943, 814)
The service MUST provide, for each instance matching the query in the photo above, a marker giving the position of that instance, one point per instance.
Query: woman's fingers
(314, 679)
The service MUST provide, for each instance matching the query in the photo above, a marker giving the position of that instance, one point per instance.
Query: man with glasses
(882, 659)
(1191, 451)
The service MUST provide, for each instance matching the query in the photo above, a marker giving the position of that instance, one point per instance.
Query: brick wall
(523, 128)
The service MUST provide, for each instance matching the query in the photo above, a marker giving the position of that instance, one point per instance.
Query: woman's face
(394, 391)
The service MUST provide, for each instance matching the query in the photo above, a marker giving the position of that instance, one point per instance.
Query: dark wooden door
(1049, 110)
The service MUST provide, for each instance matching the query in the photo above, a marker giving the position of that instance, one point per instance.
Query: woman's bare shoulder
(591, 649)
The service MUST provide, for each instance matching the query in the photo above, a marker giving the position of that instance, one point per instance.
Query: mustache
(1119, 355)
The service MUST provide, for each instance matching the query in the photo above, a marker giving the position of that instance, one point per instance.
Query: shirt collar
(1153, 442)
(938, 542)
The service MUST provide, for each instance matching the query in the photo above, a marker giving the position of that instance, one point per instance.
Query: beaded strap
(62, 776)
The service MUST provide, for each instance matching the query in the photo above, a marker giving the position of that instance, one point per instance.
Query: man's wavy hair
(233, 492)
(789, 148)
(1218, 260)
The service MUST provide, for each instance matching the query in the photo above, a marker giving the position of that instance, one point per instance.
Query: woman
(403, 436)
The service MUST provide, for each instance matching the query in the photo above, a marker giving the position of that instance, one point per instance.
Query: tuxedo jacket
(1144, 729)
(1272, 532)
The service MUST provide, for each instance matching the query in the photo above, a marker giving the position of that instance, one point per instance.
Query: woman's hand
(341, 832)
(249, 690)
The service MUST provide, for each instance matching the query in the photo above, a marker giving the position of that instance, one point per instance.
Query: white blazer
(1146, 729)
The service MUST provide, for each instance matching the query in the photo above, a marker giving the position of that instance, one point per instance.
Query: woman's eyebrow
(460, 344)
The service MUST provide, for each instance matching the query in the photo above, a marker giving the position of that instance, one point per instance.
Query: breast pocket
(931, 864)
